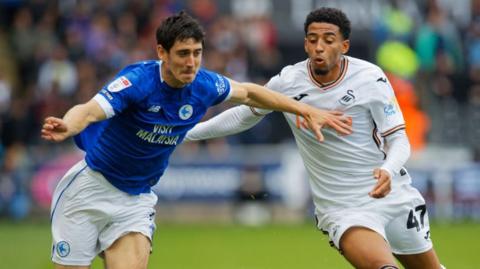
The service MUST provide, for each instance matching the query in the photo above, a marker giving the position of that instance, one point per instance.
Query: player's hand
(383, 186)
(54, 129)
(339, 122)
(333, 119)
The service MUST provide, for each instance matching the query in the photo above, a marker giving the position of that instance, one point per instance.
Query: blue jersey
(146, 120)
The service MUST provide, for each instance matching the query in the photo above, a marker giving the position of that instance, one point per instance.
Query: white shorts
(400, 217)
(88, 214)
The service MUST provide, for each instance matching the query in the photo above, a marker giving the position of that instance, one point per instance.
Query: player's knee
(379, 264)
(137, 263)
(388, 266)
(140, 261)
(128, 260)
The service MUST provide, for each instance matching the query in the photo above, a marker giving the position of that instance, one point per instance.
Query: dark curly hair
(330, 15)
(180, 26)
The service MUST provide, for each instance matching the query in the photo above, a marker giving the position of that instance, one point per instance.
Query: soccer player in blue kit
(104, 204)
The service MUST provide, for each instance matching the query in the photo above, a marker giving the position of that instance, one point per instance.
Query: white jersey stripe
(393, 130)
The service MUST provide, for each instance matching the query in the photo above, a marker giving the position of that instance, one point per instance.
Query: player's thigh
(74, 215)
(425, 260)
(409, 232)
(59, 266)
(365, 248)
(130, 251)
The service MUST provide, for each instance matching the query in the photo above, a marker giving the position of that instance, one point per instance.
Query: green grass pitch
(27, 246)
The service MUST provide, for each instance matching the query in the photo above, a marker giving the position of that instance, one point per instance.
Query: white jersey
(341, 167)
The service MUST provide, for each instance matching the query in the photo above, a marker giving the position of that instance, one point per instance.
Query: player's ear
(161, 52)
(345, 46)
(305, 45)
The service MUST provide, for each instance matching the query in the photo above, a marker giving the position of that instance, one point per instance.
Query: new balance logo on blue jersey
(155, 109)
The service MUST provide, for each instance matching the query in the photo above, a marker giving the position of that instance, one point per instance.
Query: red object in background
(417, 122)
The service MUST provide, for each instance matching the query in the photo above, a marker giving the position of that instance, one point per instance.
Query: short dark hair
(330, 15)
(180, 26)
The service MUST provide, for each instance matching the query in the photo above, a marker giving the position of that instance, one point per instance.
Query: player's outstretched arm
(257, 96)
(231, 121)
(75, 120)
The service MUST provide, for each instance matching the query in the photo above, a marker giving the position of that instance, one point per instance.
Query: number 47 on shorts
(412, 221)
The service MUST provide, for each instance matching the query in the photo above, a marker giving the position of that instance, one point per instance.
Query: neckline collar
(331, 84)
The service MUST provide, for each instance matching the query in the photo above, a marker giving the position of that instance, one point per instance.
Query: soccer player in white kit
(361, 191)
(104, 204)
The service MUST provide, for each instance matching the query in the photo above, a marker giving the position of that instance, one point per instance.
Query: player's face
(325, 45)
(182, 62)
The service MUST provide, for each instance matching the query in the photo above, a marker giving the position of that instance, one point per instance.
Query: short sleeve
(119, 93)
(218, 86)
(385, 109)
(275, 84)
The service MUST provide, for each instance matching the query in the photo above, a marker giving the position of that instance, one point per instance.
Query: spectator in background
(439, 38)
(15, 174)
(15, 165)
(5, 95)
(58, 73)
(417, 123)
(46, 37)
(18, 123)
(23, 39)
(472, 112)
(205, 10)
(400, 64)
(396, 23)
(439, 50)
(472, 119)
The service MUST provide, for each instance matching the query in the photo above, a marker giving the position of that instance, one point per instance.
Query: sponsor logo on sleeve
(119, 84)
(107, 94)
(220, 85)
(391, 108)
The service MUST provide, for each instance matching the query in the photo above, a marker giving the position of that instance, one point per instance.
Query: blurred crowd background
(54, 54)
